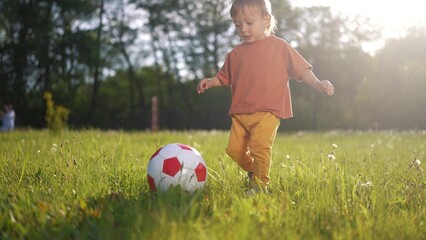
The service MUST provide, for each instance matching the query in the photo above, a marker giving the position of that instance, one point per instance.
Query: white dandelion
(367, 184)
(54, 148)
(417, 162)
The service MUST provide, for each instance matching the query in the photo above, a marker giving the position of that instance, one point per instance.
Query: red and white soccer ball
(177, 165)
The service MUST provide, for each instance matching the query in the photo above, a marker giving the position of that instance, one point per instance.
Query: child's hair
(264, 5)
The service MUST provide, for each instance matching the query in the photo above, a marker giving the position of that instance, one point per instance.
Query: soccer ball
(177, 165)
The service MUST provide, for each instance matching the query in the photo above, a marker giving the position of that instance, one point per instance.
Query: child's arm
(207, 83)
(321, 86)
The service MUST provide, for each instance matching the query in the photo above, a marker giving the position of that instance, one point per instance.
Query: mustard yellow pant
(250, 144)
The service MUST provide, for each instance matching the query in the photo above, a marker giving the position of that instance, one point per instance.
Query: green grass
(92, 185)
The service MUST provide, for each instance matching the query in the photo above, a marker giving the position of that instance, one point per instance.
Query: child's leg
(262, 137)
(238, 145)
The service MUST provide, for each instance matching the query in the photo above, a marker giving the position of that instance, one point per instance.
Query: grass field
(92, 185)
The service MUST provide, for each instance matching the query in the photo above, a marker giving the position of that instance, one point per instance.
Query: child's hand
(325, 86)
(203, 85)
(207, 83)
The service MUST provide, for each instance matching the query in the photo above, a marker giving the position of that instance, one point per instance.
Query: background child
(258, 71)
(8, 118)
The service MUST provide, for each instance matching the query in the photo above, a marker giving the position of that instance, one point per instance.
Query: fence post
(154, 114)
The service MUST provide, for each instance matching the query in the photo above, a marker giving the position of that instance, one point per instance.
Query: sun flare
(394, 15)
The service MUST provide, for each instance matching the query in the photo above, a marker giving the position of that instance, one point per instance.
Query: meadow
(329, 185)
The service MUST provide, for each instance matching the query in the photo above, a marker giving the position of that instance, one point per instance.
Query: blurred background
(105, 60)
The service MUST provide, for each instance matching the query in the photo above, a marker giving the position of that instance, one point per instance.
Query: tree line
(104, 60)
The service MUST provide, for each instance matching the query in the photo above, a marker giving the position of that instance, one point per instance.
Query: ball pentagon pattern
(177, 165)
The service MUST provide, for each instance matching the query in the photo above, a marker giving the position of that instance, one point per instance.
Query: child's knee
(234, 153)
(239, 155)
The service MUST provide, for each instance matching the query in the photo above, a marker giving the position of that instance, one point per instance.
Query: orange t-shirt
(259, 73)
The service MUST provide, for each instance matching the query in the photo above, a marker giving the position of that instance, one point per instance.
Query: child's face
(251, 24)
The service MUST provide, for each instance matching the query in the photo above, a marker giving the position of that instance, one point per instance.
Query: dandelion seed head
(417, 162)
(334, 146)
(54, 148)
(331, 156)
(367, 184)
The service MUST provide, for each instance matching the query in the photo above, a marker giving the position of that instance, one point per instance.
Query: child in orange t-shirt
(258, 71)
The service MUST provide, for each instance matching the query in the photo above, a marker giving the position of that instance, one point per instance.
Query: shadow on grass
(116, 216)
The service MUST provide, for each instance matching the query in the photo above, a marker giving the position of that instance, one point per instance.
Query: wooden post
(155, 125)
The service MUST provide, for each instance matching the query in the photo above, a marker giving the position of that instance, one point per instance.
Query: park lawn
(330, 185)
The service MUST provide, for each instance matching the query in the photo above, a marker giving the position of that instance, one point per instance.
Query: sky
(391, 16)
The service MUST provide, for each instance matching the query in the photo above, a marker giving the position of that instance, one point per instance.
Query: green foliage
(398, 73)
(155, 48)
(56, 115)
(42, 50)
(92, 185)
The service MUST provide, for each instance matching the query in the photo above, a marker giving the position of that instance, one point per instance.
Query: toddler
(258, 71)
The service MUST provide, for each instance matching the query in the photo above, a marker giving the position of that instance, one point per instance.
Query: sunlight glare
(392, 16)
